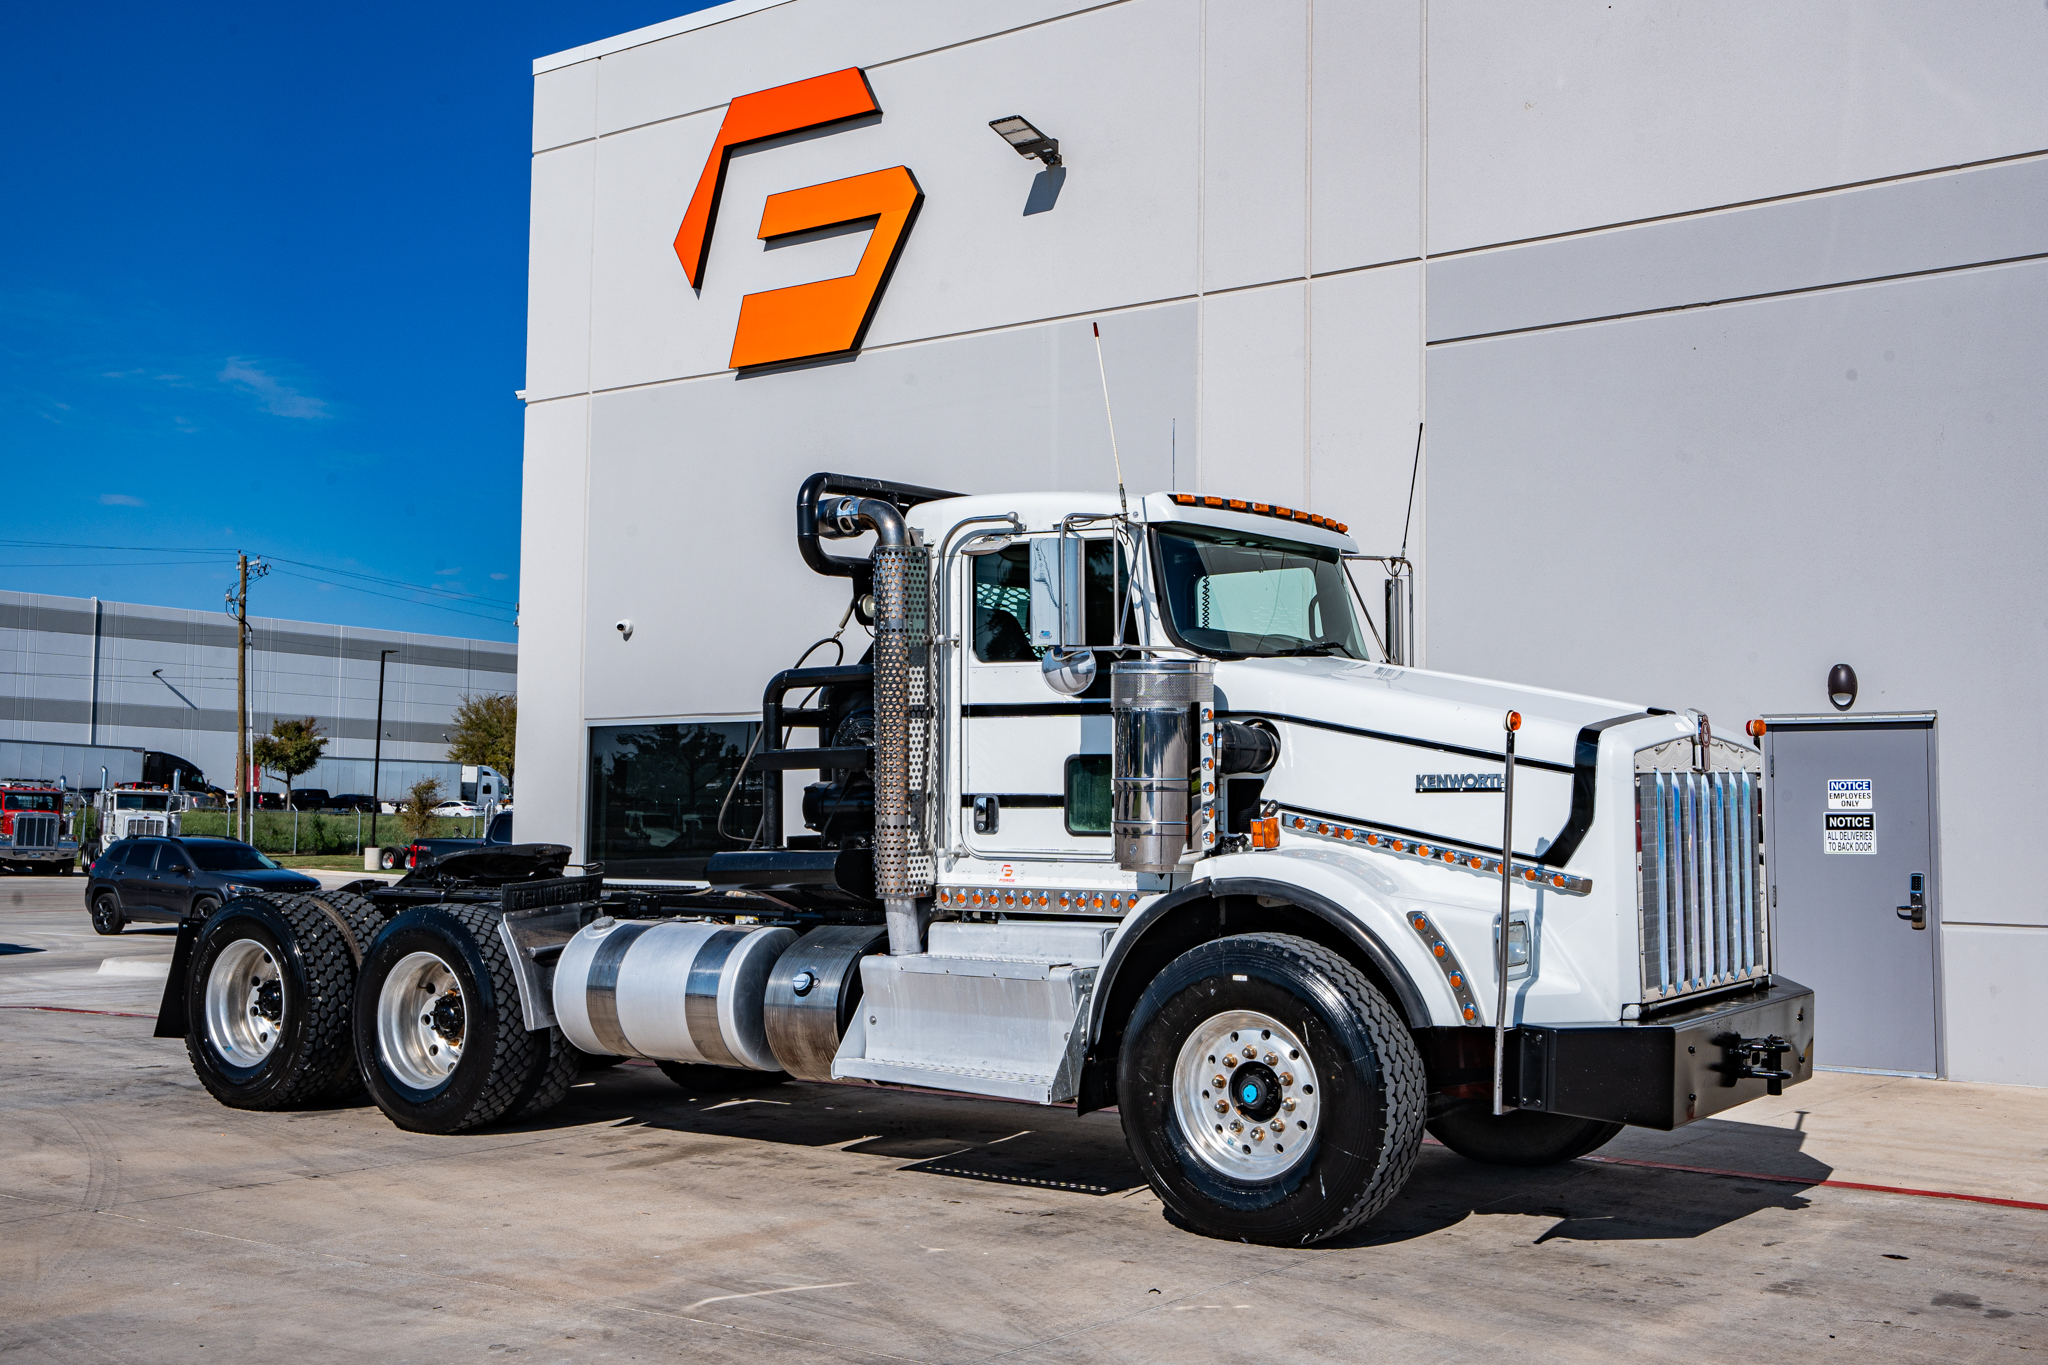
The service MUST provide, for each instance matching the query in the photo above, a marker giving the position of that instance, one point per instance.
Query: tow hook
(1753, 1059)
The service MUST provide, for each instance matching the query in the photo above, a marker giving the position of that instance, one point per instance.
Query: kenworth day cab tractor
(1117, 811)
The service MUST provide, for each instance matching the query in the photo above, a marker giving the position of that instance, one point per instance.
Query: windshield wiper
(1319, 647)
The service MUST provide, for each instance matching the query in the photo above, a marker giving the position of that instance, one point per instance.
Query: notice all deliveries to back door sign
(1850, 822)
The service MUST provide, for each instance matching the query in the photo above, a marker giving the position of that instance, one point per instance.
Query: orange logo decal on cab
(825, 316)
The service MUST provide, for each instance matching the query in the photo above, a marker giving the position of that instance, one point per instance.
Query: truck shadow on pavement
(954, 1138)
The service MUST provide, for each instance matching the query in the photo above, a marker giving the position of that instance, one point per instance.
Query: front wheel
(1269, 1092)
(106, 914)
(1520, 1137)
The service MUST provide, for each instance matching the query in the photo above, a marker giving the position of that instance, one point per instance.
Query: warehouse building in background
(1722, 327)
(80, 672)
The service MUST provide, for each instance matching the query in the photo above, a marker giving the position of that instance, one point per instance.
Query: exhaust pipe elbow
(844, 517)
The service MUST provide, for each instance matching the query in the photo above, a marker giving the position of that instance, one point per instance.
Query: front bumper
(1668, 1071)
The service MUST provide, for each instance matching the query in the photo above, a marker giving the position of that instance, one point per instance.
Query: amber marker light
(1514, 720)
(1756, 729)
(1266, 832)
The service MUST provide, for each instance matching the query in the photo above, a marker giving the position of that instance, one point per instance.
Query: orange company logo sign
(824, 317)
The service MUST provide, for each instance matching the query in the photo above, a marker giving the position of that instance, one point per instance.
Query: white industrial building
(82, 672)
(1723, 325)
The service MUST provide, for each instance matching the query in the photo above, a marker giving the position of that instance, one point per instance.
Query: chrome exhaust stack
(1160, 709)
(904, 732)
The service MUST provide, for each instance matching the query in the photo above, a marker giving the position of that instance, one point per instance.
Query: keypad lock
(1916, 896)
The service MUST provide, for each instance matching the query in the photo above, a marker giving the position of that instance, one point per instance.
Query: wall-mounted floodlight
(1842, 687)
(1018, 132)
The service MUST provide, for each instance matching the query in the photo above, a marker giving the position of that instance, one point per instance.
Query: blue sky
(264, 288)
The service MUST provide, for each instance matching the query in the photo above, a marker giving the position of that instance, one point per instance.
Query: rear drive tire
(268, 1000)
(439, 1029)
(106, 913)
(1519, 1137)
(719, 1080)
(1307, 1050)
(388, 859)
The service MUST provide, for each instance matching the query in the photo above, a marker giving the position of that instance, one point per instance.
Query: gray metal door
(1849, 824)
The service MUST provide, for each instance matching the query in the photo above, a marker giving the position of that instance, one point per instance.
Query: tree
(485, 729)
(416, 812)
(291, 748)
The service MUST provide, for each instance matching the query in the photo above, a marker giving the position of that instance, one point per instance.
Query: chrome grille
(35, 831)
(1699, 882)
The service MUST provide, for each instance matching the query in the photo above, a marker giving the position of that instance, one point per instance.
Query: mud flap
(171, 1017)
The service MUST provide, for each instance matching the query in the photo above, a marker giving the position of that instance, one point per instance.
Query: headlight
(240, 889)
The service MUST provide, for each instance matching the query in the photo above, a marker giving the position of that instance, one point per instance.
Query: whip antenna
(1116, 458)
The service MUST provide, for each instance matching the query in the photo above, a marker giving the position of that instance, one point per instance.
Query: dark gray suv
(169, 880)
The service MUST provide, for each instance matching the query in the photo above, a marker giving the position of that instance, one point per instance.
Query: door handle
(1915, 908)
(987, 814)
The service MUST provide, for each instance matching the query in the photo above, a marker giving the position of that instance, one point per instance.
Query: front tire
(1519, 1137)
(268, 1000)
(106, 914)
(439, 1029)
(1331, 1069)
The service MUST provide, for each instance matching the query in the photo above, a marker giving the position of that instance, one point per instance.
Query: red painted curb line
(1835, 1184)
(67, 1009)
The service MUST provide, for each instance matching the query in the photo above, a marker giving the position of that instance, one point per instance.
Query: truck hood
(1421, 753)
(1442, 708)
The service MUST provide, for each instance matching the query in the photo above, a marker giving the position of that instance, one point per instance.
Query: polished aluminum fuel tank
(674, 990)
(1159, 709)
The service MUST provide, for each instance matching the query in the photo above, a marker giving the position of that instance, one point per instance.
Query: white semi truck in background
(1119, 810)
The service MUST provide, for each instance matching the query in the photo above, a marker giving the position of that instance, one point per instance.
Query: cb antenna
(1413, 470)
(1116, 458)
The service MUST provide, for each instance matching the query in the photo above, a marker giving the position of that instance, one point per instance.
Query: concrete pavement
(143, 1221)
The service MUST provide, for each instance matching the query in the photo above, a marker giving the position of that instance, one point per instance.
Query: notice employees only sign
(1850, 821)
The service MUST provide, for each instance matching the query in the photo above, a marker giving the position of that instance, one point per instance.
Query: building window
(655, 791)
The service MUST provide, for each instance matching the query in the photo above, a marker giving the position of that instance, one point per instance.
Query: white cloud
(121, 500)
(500, 577)
(448, 573)
(278, 398)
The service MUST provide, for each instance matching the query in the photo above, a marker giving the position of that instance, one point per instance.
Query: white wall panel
(1112, 84)
(553, 529)
(558, 273)
(1254, 374)
(1997, 1011)
(693, 485)
(564, 106)
(1255, 153)
(1712, 508)
(1549, 118)
(1365, 150)
(697, 70)
(1364, 400)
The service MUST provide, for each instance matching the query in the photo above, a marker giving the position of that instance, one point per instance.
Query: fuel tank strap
(602, 993)
(700, 999)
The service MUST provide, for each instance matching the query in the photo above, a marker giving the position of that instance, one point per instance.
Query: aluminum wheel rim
(421, 1021)
(1219, 1129)
(245, 1003)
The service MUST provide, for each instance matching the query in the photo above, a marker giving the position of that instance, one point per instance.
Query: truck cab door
(1031, 759)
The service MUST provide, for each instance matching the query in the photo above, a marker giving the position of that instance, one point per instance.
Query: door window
(1088, 794)
(1002, 601)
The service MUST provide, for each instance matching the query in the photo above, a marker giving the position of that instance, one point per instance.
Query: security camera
(624, 628)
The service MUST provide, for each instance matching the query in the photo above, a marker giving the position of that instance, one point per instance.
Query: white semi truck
(1119, 810)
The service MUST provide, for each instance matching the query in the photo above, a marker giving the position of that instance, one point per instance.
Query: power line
(431, 606)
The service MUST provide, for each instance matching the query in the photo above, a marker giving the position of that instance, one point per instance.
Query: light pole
(377, 761)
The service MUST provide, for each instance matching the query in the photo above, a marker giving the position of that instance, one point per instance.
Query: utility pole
(238, 607)
(377, 754)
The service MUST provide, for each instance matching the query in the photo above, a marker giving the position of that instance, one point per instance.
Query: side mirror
(1059, 619)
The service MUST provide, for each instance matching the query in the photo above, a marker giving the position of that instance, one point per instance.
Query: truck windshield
(226, 857)
(30, 801)
(142, 801)
(1233, 593)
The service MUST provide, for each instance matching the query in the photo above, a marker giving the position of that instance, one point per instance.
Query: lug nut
(1258, 1135)
(1271, 1059)
(1222, 1107)
(1288, 1105)
(1230, 1059)
(1287, 1078)
(1218, 1081)
(1236, 1127)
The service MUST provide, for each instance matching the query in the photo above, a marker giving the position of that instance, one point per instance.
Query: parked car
(353, 801)
(168, 880)
(310, 798)
(456, 809)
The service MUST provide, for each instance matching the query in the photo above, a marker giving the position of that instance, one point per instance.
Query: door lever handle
(1915, 908)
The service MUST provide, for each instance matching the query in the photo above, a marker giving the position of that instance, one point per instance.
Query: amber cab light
(1266, 832)
(1756, 729)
